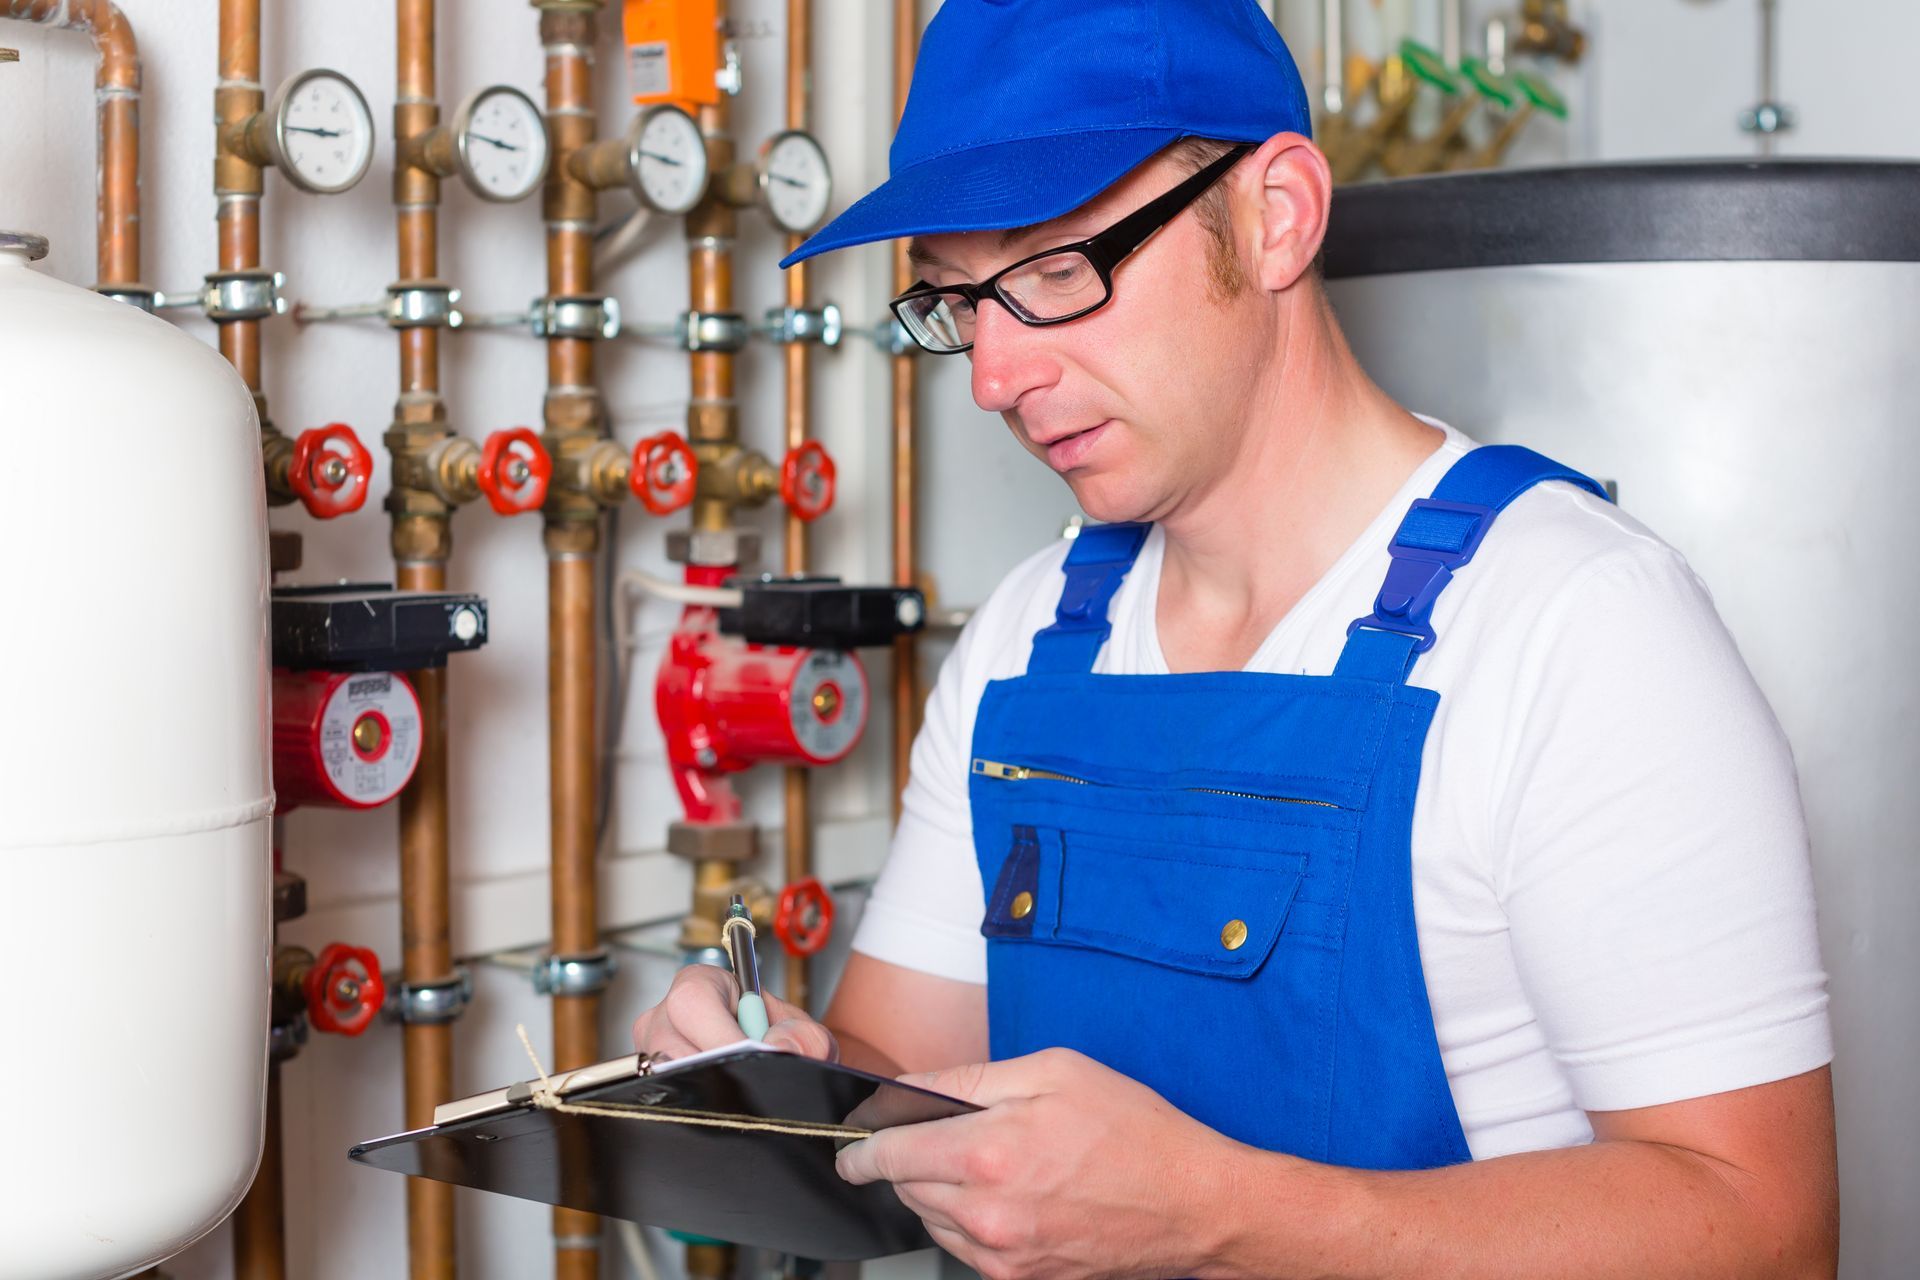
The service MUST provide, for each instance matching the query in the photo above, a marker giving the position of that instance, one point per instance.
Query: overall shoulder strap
(1436, 538)
(1095, 567)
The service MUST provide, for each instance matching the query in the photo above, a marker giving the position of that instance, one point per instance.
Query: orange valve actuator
(329, 470)
(803, 921)
(806, 480)
(344, 990)
(514, 471)
(664, 473)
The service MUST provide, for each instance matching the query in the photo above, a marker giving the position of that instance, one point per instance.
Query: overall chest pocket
(1149, 896)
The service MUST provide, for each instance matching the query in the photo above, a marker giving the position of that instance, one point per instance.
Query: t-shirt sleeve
(1651, 850)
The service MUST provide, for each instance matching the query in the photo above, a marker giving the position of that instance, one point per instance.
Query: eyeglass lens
(1056, 287)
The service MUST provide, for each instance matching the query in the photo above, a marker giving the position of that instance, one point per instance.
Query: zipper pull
(1004, 772)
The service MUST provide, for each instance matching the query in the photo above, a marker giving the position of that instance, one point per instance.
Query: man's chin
(1106, 498)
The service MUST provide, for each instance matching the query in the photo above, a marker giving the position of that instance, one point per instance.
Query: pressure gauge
(500, 144)
(795, 183)
(322, 133)
(667, 160)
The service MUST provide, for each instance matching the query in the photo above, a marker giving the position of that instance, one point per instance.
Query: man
(1474, 937)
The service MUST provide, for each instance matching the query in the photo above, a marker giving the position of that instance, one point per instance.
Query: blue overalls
(1204, 881)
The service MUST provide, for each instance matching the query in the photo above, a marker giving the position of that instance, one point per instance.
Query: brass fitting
(276, 451)
(589, 473)
(714, 885)
(734, 475)
(1545, 29)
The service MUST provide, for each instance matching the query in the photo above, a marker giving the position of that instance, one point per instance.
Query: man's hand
(698, 1013)
(1072, 1170)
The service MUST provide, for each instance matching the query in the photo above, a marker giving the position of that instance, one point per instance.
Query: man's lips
(1070, 449)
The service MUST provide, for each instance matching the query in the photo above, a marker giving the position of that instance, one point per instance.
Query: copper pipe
(798, 827)
(260, 1223)
(906, 659)
(573, 424)
(117, 108)
(238, 181)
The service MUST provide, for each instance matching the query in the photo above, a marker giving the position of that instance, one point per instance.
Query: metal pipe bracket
(430, 1004)
(724, 331)
(576, 317)
(423, 304)
(232, 296)
(582, 975)
(787, 325)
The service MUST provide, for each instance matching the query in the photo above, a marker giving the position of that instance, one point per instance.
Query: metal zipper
(1023, 773)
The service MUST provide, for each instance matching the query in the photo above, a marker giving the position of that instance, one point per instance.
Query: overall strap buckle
(1434, 539)
(1094, 569)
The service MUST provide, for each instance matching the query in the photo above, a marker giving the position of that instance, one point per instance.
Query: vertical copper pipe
(799, 389)
(117, 110)
(906, 672)
(238, 182)
(572, 417)
(260, 1223)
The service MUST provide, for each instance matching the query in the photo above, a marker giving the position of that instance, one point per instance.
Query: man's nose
(1009, 358)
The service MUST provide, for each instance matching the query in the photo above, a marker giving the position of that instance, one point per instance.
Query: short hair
(1226, 273)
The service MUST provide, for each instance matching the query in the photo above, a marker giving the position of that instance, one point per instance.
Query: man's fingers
(699, 1008)
(802, 1035)
(912, 1153)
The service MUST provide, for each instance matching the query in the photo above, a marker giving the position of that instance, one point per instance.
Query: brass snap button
(1234, 936)
(1022, 906)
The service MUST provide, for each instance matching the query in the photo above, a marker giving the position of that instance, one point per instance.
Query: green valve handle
(1541, 94)
(1429, 66)
(1496, 88)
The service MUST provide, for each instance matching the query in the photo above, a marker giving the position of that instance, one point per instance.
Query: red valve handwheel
(344, 990)
(806, 480)
(496, 459)
(329, 496)
(803, 921)
(664, 472)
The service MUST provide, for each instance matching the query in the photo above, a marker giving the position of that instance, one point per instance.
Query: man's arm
(1074, 1170)
(889, 1019)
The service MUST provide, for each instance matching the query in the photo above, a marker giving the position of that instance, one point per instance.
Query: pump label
(370, 737)
(827, 704)
(650, 69)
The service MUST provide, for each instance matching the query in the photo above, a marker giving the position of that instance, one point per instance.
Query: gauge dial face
(794, 181)
(667, 160)
(500, 141)
(322, 131)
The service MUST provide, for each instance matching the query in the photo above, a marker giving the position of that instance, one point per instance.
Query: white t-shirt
(1610, 873)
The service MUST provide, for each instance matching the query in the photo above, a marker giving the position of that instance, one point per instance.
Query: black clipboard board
(769, 1190)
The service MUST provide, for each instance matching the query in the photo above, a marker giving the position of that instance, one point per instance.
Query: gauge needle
(781, 177)
(324, 133)
(504, 146)
(655, 155)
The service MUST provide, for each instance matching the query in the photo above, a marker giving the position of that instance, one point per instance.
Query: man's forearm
(1610, 1209)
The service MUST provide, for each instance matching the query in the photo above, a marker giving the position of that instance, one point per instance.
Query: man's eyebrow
(919, 255)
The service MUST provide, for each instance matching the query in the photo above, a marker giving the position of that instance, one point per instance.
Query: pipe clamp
(576, 317)
(423, 304)
(712, 331)
(231, 296)
(141, 296)
(786, 325)
(430, 1004)
(582, 975)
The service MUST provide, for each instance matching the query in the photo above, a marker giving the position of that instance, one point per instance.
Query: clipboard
(770, 1190)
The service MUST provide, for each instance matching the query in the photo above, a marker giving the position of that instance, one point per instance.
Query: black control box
(821, 613)
(368, 626)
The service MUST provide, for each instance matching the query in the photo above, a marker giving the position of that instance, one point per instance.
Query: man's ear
(1291, 188)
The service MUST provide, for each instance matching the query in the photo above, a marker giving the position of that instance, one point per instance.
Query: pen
(746, 970)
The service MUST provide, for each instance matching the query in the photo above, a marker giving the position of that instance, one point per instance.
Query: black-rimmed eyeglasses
(1052, 286)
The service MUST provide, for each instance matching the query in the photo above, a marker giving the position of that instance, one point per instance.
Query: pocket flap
(1213, 911)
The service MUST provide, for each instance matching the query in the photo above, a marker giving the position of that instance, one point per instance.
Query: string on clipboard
(546, 1097)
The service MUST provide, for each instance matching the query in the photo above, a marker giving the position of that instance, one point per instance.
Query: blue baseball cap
(1022, 110)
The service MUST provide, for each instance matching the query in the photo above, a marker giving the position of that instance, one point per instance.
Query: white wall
(1666, 77)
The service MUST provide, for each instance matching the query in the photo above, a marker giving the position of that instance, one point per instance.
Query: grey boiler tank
(1737, 345)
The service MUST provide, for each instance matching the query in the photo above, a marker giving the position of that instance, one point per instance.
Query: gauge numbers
(322, 132)
(795, 182)
(667, 160)
(500, 144)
